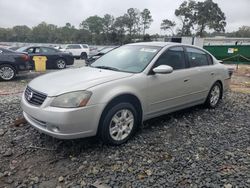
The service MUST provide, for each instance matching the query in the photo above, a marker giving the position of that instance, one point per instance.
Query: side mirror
(163, 69)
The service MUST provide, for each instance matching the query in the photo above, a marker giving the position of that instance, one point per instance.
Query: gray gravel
(196, 147)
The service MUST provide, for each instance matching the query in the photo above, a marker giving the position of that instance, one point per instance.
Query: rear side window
(173, 57)
(48, 50)
(197, 57)
(74, 46)
(84, 46)
(37, 50)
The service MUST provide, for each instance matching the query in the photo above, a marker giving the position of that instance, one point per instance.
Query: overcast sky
(33, 12)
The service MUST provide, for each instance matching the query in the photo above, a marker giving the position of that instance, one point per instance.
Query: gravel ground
(196, 147)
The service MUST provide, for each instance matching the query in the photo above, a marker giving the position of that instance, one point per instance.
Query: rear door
(51, 54)
(202, 73)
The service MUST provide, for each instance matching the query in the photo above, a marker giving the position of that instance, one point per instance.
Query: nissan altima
(133, 83)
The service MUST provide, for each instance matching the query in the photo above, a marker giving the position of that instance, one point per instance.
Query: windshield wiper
(107, 67)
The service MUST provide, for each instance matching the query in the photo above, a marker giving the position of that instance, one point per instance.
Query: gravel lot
(196, 147)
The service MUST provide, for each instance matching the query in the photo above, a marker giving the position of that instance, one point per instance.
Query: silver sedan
(133, 83)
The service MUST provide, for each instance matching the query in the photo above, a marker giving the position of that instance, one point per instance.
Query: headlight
(72, 100)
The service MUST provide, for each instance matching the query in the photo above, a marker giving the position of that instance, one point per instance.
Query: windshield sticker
(151, 50)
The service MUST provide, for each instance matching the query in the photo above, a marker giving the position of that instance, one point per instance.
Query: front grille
(34, 97)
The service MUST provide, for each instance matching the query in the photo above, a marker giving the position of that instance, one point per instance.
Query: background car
(78, 50)
(11, 63)
(14, 48)
(100, 53)
(55, 58)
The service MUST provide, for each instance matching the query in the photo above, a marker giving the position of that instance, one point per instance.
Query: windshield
(22, 49)
(106, 50)
(129, 58)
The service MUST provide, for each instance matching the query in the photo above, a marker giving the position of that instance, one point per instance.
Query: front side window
(173, 57)
(196, 57)
(30, 50)
(129, 58)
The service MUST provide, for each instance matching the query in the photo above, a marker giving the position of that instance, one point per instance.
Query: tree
(93, 24)
(186, 13)
(119, 28)
(43, 32)
(208, 14)
(67, 33)
(6, 34)
(21, 33)
(131, 19)
(243, 31)
(168, 25)
(146, 20)
(108, 24)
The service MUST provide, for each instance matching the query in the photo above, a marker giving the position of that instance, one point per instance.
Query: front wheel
(60, 64)
(7, 72)
(214, 95)
(119, 124)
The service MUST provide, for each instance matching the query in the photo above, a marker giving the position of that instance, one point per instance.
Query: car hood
(64, 81)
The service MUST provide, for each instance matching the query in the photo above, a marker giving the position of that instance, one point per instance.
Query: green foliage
(132, 21)
(168, 25)
(199, 16)
(21, 33)
(146, 20)
(186, 14)
(208, 14)
(92, 30)
(243, 31)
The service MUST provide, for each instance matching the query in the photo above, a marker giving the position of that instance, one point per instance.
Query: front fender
(104, 93)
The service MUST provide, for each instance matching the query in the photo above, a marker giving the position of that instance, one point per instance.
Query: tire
(83, 56)
(214, 96)
(61, 64)
(7, 72)
(114, 129)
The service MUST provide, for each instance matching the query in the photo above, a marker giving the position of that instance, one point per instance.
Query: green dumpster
(230, 53)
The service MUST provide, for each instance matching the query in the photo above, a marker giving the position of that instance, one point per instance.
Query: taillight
(25, 57)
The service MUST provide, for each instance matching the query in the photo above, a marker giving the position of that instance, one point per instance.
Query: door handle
(186, 80)
(212, 73)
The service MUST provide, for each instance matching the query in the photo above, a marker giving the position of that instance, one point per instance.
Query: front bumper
(63, 123)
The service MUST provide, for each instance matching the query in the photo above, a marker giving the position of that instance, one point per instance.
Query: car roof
(159, 44)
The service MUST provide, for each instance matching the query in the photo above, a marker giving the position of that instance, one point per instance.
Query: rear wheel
(214, 95)
(7, 72)
(60, 64)
(119, 124)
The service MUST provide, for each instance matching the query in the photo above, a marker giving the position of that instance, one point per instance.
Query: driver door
(167, 92)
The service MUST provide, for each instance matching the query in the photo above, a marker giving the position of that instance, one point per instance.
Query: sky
(59, 12)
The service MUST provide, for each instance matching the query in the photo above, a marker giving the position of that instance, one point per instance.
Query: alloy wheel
(61, 64)
(215, 95)
(121, 124)
(7, 73)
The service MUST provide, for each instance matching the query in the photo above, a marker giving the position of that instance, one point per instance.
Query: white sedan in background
(123, 88)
